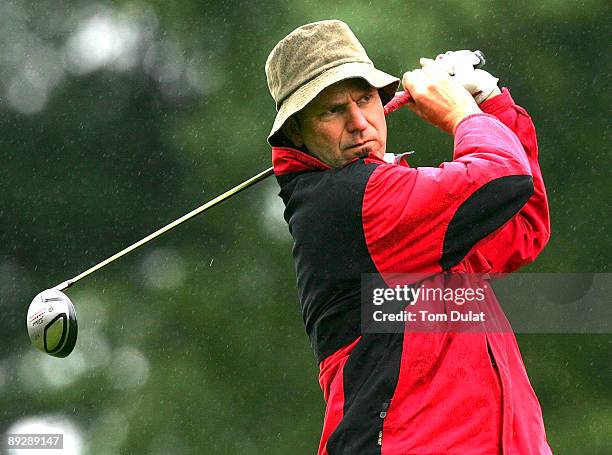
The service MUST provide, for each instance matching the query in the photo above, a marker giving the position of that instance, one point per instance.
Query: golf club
(51, 318)
(52, 323)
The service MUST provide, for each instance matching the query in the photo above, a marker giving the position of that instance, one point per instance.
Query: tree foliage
(118, 117)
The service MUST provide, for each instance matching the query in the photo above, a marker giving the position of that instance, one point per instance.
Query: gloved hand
(438, 98)
(460, 65)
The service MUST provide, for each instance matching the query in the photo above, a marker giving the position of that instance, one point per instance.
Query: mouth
(361, 144)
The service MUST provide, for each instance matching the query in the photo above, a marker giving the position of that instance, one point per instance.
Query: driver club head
(52, 323)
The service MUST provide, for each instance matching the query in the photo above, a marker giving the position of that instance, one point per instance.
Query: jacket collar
(287, 160)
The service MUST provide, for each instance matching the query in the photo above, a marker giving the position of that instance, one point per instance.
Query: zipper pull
(382, 415)
(383, 412)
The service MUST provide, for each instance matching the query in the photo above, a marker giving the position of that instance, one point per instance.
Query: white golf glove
(460, 64)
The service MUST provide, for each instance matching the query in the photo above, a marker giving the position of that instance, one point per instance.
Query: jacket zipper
(382, 415)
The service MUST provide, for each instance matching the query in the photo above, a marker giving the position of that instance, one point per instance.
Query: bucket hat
(313, 57)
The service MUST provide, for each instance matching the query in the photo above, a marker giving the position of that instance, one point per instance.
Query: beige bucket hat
(313, 57)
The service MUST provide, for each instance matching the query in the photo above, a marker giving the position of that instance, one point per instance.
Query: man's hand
(460, 64)
(438, 98)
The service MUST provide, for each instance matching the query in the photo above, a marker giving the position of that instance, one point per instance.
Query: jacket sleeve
(521, 240)
(425, 220)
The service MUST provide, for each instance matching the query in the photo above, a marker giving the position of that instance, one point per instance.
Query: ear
(292, 130)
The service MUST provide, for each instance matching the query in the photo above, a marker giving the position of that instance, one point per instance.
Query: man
(352, 211)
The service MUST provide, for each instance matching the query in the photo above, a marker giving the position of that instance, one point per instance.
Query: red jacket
(485, 211)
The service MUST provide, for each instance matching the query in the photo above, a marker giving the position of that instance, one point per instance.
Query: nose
(356, 120)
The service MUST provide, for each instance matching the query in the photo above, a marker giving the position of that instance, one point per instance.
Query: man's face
(346, 120)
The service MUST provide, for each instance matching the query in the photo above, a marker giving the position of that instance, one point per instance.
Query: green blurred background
(118, 117)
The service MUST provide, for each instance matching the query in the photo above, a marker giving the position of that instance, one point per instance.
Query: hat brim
(307, 92)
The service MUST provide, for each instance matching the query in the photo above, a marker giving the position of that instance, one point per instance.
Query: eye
(366, 99)
(332, 111)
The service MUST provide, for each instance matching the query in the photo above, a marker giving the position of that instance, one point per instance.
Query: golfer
(353, 209)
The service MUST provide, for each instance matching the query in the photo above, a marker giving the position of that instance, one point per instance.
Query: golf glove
(460, 64)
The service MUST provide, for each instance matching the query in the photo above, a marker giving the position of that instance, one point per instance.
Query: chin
(378, 153)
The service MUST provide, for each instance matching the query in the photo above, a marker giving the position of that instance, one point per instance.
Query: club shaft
(399, 100)
(237, 189)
